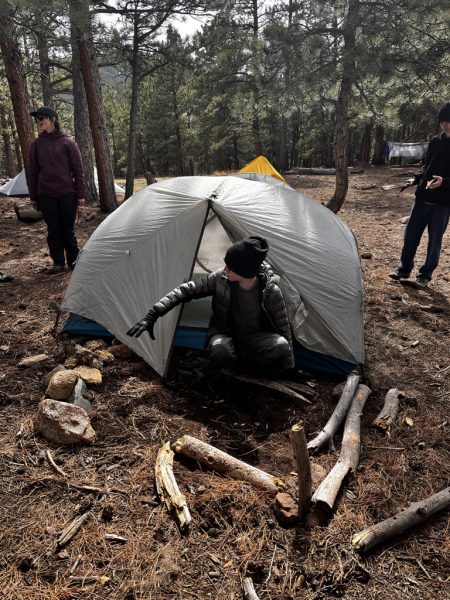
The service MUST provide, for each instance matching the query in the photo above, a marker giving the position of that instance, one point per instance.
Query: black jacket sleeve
(186, 292)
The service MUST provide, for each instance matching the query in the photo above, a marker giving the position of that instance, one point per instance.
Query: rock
(77, 398)
(31, 361)
(90, 375)
(71, 362)
(63, 423)
(104, 356)
(57, 369)
(83, 355)
(61, 385)
(285, 508)
(27, 214)
(404, 220)
(94, 345)
(122, 351)
(366, 255)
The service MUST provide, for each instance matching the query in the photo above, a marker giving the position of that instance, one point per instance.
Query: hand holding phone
(434, 183)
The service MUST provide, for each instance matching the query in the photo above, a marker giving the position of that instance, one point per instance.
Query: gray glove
(145, 324)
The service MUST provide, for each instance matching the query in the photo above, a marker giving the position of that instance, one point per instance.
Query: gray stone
(63, 423)
(77, 398)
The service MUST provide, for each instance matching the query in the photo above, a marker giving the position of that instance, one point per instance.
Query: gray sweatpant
(265, 349)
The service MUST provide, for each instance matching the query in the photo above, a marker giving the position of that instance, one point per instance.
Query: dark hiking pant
(59, 215)
(265, 349)
(435, 219)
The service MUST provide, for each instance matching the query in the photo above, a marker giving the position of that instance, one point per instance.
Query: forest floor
(234, 533)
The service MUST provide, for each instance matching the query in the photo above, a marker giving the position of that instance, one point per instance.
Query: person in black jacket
(431, 208)
(249, 319)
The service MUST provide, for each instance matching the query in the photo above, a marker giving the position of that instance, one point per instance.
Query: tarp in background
(149, 245)
(18, 188)
(416, 150)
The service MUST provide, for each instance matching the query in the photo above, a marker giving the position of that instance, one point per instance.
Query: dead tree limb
(327, 433)
(327, 491)
(52, 463)
(389, 411)
(249, 590)
(303, 467)
(167, 487)
(225, 463)
(71, 530)
(272, 385)
(416, 513)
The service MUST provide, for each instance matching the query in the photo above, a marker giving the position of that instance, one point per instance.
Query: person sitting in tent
(431, 208)
(56, 186)
(249, 319)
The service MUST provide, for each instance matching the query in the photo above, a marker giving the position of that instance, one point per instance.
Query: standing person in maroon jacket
(56, 186)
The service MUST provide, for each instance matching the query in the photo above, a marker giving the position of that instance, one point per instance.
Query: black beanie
(444, 112)
(245, 257)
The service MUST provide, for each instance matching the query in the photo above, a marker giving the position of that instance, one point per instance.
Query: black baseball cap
(44, 111)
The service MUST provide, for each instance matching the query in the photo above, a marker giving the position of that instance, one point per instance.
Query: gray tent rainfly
(150, 243)
(18, 188)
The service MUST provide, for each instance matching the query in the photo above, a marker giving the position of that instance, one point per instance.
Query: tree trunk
(44, 68)
(236, 164)
(80, 17)
(7, 148)
(83, 135)
(348, 77)
(135, 74)
(16, 81)
(283, 160)
(366, 143)
(377, 158)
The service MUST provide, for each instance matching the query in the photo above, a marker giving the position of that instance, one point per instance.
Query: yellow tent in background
(261, 165)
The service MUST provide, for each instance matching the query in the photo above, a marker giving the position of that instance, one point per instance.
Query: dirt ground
(234, 533)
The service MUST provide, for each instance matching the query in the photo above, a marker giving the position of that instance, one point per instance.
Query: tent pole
(169, 356)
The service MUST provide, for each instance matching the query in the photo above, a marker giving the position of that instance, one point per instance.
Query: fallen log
(303, 467)
(388, 413)
(338, 415)
(416, 513)
(228, 465)
(268, 383)
(167, 487)
(327, 491)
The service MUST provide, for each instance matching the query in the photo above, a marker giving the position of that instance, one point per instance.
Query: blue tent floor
(194, 337)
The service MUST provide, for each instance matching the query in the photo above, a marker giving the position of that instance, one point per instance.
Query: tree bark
(327, 491)
(16, 81)
(416, 513)
(377, 158)
(83, 135)
(17, 150)
(338, 415)
(44, 68)
(80, 16)
(225, 463)
(366, 143)
(132, 130)
(167, 487)
(7, 148)
(348, 77)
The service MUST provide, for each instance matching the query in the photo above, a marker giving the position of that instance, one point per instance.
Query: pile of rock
(63, 414)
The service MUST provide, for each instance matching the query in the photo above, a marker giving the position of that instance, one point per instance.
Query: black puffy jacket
(217, 285)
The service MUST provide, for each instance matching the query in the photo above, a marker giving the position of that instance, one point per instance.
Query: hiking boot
(54, 270)
(422, 281)
(397, 275)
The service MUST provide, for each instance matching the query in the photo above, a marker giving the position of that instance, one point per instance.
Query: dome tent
(150, 244)
(17, 187)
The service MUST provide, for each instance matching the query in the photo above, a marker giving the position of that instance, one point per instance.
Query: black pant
(60, 214)
(435, 219)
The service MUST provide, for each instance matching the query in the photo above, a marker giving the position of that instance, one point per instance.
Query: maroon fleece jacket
(55, 167)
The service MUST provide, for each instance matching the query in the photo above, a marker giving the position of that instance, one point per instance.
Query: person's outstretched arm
(183, 293)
